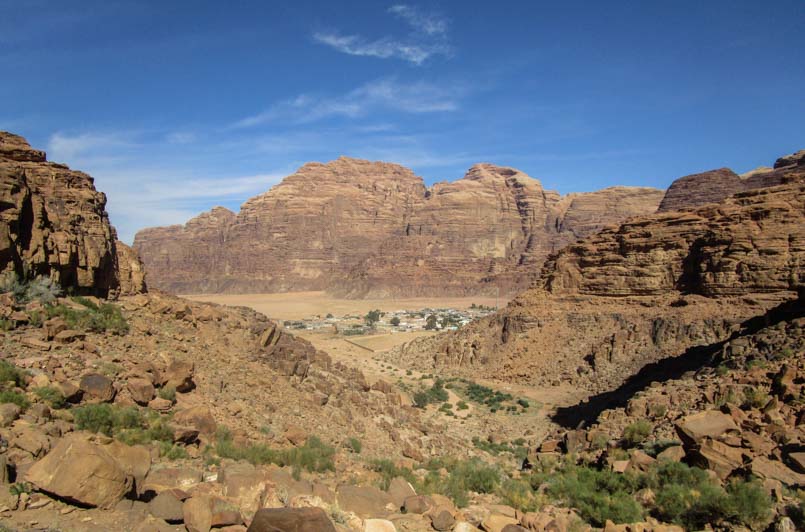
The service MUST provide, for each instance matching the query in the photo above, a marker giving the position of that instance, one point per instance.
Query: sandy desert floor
(300, 305)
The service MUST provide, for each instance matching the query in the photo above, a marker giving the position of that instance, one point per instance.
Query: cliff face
(651, 288)
(360, 228)
(53, 222)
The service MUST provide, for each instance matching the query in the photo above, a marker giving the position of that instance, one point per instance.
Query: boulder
(197, 514)
(291, 520)
(141, 390)
(179, 375)
(81, 471)
(364, 501)
(772, 469)
(198, 417)
(497, 522)
(9, 412)
(68, 336)
(399, 490)
(97, 387)
(378, 525)
(296, 435)
(442, 519)
(710, 423)
(417, 504)
(168, 478)
(167, 506)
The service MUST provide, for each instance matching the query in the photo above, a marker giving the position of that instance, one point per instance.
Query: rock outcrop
(652, 288)
(361, 228)
(53, 223)
(716, 185)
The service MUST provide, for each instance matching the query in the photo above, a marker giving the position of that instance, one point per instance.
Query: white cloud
(427, 23)
(385, 48)
(384, 94)
(428, 38)
(63, 146)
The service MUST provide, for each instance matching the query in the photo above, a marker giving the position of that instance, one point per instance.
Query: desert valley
(357, 267)
(649, 377)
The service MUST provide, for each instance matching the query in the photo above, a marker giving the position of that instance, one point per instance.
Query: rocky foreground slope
(360, 228)
(651, 288)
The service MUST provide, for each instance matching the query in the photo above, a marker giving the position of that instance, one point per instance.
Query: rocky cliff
(360, 228)
(715, 185)
(651, 288)
(54, 224)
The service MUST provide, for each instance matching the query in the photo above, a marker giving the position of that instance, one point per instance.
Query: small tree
(395, 321)
(431, 322)
(372, 317)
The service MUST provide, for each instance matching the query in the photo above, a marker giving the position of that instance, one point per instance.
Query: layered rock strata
(360, 228)
(652, 288)
(53, 223)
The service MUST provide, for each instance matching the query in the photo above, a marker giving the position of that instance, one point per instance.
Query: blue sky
(178, 106)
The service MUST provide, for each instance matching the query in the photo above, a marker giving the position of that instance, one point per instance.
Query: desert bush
(51, 396)
(754, 398)
(313, 456)
(354, 445)
(105, 317)
(598, 495)
(107, 419)
(435, 394)
(42, 289)
(11, 396)
(389, 471)
(168, 393)
(636, 433)
(518, 494)
(11, 373)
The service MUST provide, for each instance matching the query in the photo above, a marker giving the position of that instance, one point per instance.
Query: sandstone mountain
(649, 289)
(360, 228)
(54, 224)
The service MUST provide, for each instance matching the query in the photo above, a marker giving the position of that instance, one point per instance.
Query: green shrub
(354, 445)
(51, 396)
(126, 423)
(172, 451)
(598, 495)
(105, 317)
(755, 398)
(748, 504)
(314, 455)
(435, 394)
(389, 471)
(636, 433)
(11, 396)
(168, 393)
(11, 373)
(42, 289)
(518, 494)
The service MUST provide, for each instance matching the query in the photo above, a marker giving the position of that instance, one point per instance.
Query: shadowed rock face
(53, 222)
(650, 289)
(360, 228)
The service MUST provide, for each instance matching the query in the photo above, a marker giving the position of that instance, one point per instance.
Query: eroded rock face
(53, 223)
(361, 228)
(650, 289)
(716, 185)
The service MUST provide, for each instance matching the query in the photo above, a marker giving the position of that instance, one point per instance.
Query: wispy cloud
(66, 146)
(427, 37)
(429, 23)
(384, 94)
